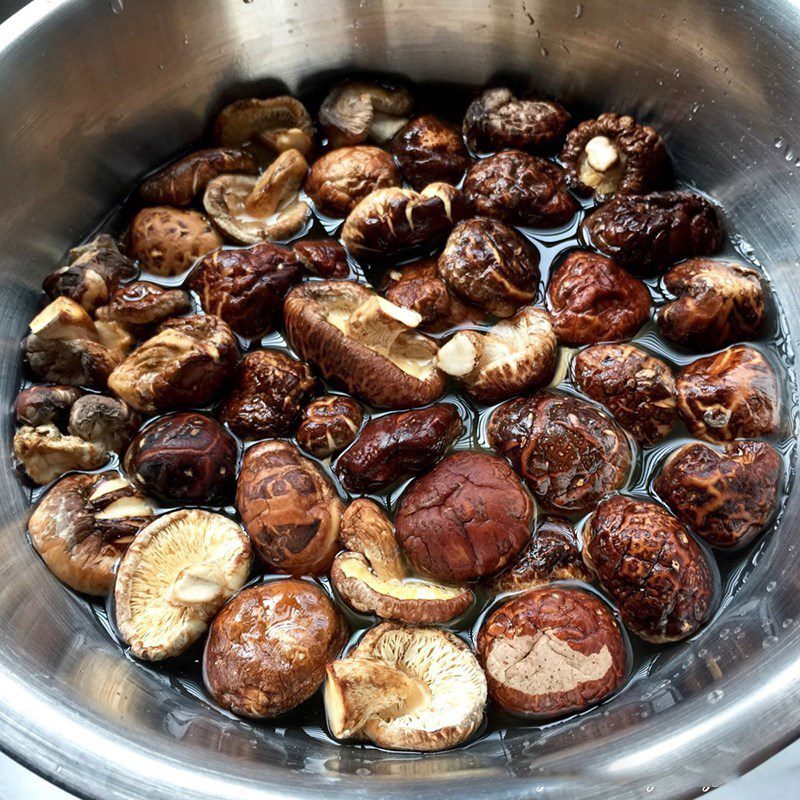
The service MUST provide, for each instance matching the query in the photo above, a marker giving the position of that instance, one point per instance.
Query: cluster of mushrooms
(175, 381)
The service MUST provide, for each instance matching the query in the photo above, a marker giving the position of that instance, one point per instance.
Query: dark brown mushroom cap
(551, 651)
(268, 395)
(730, 395)
(139, 305)
(591, 300)
(646, 233)
(552, 554)
(395, 445)
(323, 257)
(520, 189)
(329, 424)
(568, 451)
(428, 150)
(246, 287)
(40, 405)
(637, 388)
(653, 571)
(180, 182)
(267, 649)
(465, 519)
(497, 120)
(490, 265)
(718, 303)
(642, 155)
(727, 498)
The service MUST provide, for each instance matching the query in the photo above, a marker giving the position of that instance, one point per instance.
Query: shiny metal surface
(93, 94)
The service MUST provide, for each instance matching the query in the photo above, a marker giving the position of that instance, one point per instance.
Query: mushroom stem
(279, 182)
(197, 585)
(378, 324)
(461, 355)
(601, 153)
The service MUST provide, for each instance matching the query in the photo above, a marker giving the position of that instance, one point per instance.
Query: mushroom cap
(178, 572)
(239, 122)
(45, 452)
(438, 688)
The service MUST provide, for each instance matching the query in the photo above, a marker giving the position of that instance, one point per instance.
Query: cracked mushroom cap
(84, 524)
(371, 574)
(178, 572)
(406, 688)
(363, 343)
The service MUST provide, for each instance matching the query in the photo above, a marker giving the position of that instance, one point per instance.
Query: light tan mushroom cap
(179, 571)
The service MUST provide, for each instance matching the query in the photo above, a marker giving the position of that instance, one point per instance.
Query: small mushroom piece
(268, 395)
(514, 356)
(726, 497)
(614, 155)
(45, 452)
(40, 405)
(718, 303)
(520, 189)
(264, 209)
(289, 508)
(395, 445)
(106, 421)
(646, 233)
(552, 554)
(363, 343)
(84, 524)
(325, 258)
(637, 388)
(730, 395)
(185, 364)
(428, 150)
(406, 688)
(371, 576)
(180, 182)
(140, 306)
(343, 177)
(357, 111)
(550, 652)
(167, 241)
(654, 572)
(246, 287)
(490, 265)
(497, 120)
(267, 649)
(593, 300)
(176, 575)
(329, 424)
(392, 220)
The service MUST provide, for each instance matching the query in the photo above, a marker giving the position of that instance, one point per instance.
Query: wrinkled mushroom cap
(45, 452)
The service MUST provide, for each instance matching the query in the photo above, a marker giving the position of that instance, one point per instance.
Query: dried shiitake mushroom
(268, 208)
(267, 396)
(497, 120)
(140, 306)
(167, 241)
(184, 364)
(175, 576)
(613, 154)
(40, 405)
(551, 651)
(730, 395)
(357, 111)
(726, 497)
(491, 265)
(371, 576)
(342, 178)
(106, 421)
(637, 388)
(467, 518)
(520, 189)
(84, 524)
(45, 453)
(267, 649)
(395, 445)
(406, 688)
(591, 300)
(655, 573)
(289, 508)
(718, 303)
(324, 257)
(329, 424)
(514, 356)
(363, 343)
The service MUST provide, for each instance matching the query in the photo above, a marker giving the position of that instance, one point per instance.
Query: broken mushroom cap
(177, 573)
(371, 575)
(514, 356)
(84, 524)
(355, 112)
(406, 688)
(363, 343)
(45, 452)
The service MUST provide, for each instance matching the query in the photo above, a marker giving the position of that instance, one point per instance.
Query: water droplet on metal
(579, 11)
(117, 6)
(715, 696)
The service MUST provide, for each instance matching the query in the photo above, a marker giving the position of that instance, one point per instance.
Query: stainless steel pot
(92, 94)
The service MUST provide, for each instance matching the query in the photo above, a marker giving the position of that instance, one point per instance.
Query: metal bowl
(93, 94)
